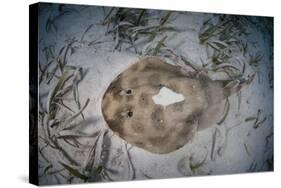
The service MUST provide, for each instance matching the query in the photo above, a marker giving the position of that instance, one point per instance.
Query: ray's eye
(130, 114)
(126, 92)
(129, 92)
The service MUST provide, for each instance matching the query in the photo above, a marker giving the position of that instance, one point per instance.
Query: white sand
(166, 97)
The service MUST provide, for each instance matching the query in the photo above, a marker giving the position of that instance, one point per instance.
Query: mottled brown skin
(130, 112)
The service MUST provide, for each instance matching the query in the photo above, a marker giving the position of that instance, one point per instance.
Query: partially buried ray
(129, 109)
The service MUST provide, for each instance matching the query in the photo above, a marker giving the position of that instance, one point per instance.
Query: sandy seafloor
(243, 150)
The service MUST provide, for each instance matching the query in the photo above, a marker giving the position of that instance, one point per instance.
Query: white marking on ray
(167, 97)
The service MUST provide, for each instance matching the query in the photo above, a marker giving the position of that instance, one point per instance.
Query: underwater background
(83, 48)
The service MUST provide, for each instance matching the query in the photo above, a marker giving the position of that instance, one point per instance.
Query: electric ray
(130, 109)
